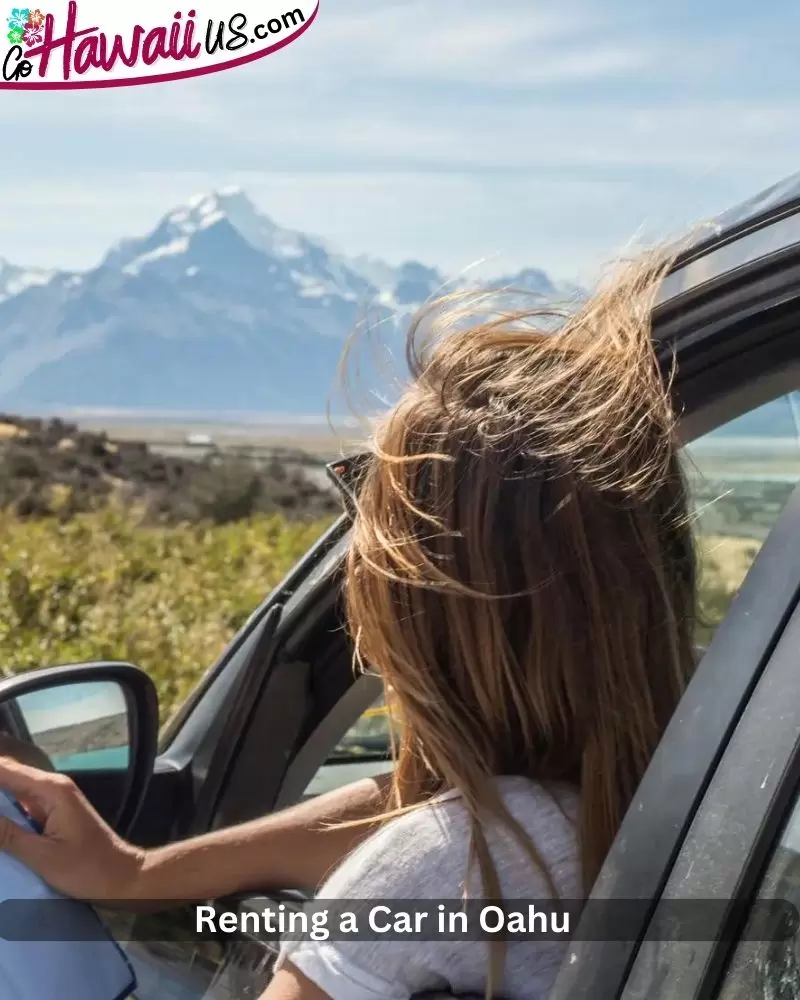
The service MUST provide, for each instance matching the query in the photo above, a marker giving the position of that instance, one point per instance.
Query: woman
(521, 574)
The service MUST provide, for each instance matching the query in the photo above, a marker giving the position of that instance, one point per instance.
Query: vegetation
(48, 467)
(724, 562)
(167, 597)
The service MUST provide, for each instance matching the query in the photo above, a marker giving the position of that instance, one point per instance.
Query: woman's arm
(79, 855)
(291, 849)
(289, 983)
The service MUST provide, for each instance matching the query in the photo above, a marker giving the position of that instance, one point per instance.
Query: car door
(683, 838)
(761, 297)
(733, 885)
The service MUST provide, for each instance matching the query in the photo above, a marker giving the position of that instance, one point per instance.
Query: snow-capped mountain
(14, 280)
(216, 308)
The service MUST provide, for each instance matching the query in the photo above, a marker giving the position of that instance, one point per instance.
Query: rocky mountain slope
(216, 308)
(53, 467)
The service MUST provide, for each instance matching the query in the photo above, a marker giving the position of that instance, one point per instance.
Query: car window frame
(188, 728)
(306, 606)
(758, 374)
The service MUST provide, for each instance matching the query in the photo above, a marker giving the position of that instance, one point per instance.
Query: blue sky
(71, 704)
(519, 132)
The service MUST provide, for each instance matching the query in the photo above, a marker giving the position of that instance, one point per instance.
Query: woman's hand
(81, 856)
(77, 853)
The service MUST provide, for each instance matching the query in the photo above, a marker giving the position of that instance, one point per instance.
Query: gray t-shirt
(423, 855)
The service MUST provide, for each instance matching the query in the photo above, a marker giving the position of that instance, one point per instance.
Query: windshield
(369, 739)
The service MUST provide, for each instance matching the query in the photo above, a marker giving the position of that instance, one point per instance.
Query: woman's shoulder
(424, 853)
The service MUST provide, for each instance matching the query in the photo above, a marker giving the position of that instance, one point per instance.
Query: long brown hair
(522, 570)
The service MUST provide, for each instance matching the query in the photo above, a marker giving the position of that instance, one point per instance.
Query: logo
(84, 44)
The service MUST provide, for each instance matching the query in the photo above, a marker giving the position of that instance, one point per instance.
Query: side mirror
(97, 722)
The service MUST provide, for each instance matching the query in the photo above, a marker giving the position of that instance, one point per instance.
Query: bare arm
(289, 983)
(79, 855)
(295, 848)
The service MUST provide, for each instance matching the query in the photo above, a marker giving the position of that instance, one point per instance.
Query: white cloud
(451, 219)
(450, 40)
(448, 131)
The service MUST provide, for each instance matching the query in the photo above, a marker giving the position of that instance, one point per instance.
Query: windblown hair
(522, 569)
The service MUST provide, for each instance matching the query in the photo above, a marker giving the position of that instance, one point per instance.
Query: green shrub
(168, 598)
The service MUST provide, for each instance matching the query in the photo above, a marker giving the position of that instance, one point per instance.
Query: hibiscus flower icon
(35, 18)
(33, 34)
(15, 36)
(19, 18)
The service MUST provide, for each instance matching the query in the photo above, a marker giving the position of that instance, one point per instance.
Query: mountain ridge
(216, 306)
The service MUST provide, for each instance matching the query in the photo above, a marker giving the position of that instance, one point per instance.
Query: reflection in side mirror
(80, 726)
(97, 722)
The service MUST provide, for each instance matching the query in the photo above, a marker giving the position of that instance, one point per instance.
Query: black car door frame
(745, 805)
(267, 757)
(195, 747)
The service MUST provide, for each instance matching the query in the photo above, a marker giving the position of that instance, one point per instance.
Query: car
(715, 822)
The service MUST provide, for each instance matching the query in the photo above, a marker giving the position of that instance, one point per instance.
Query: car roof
(750, 232)
(777, 197)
